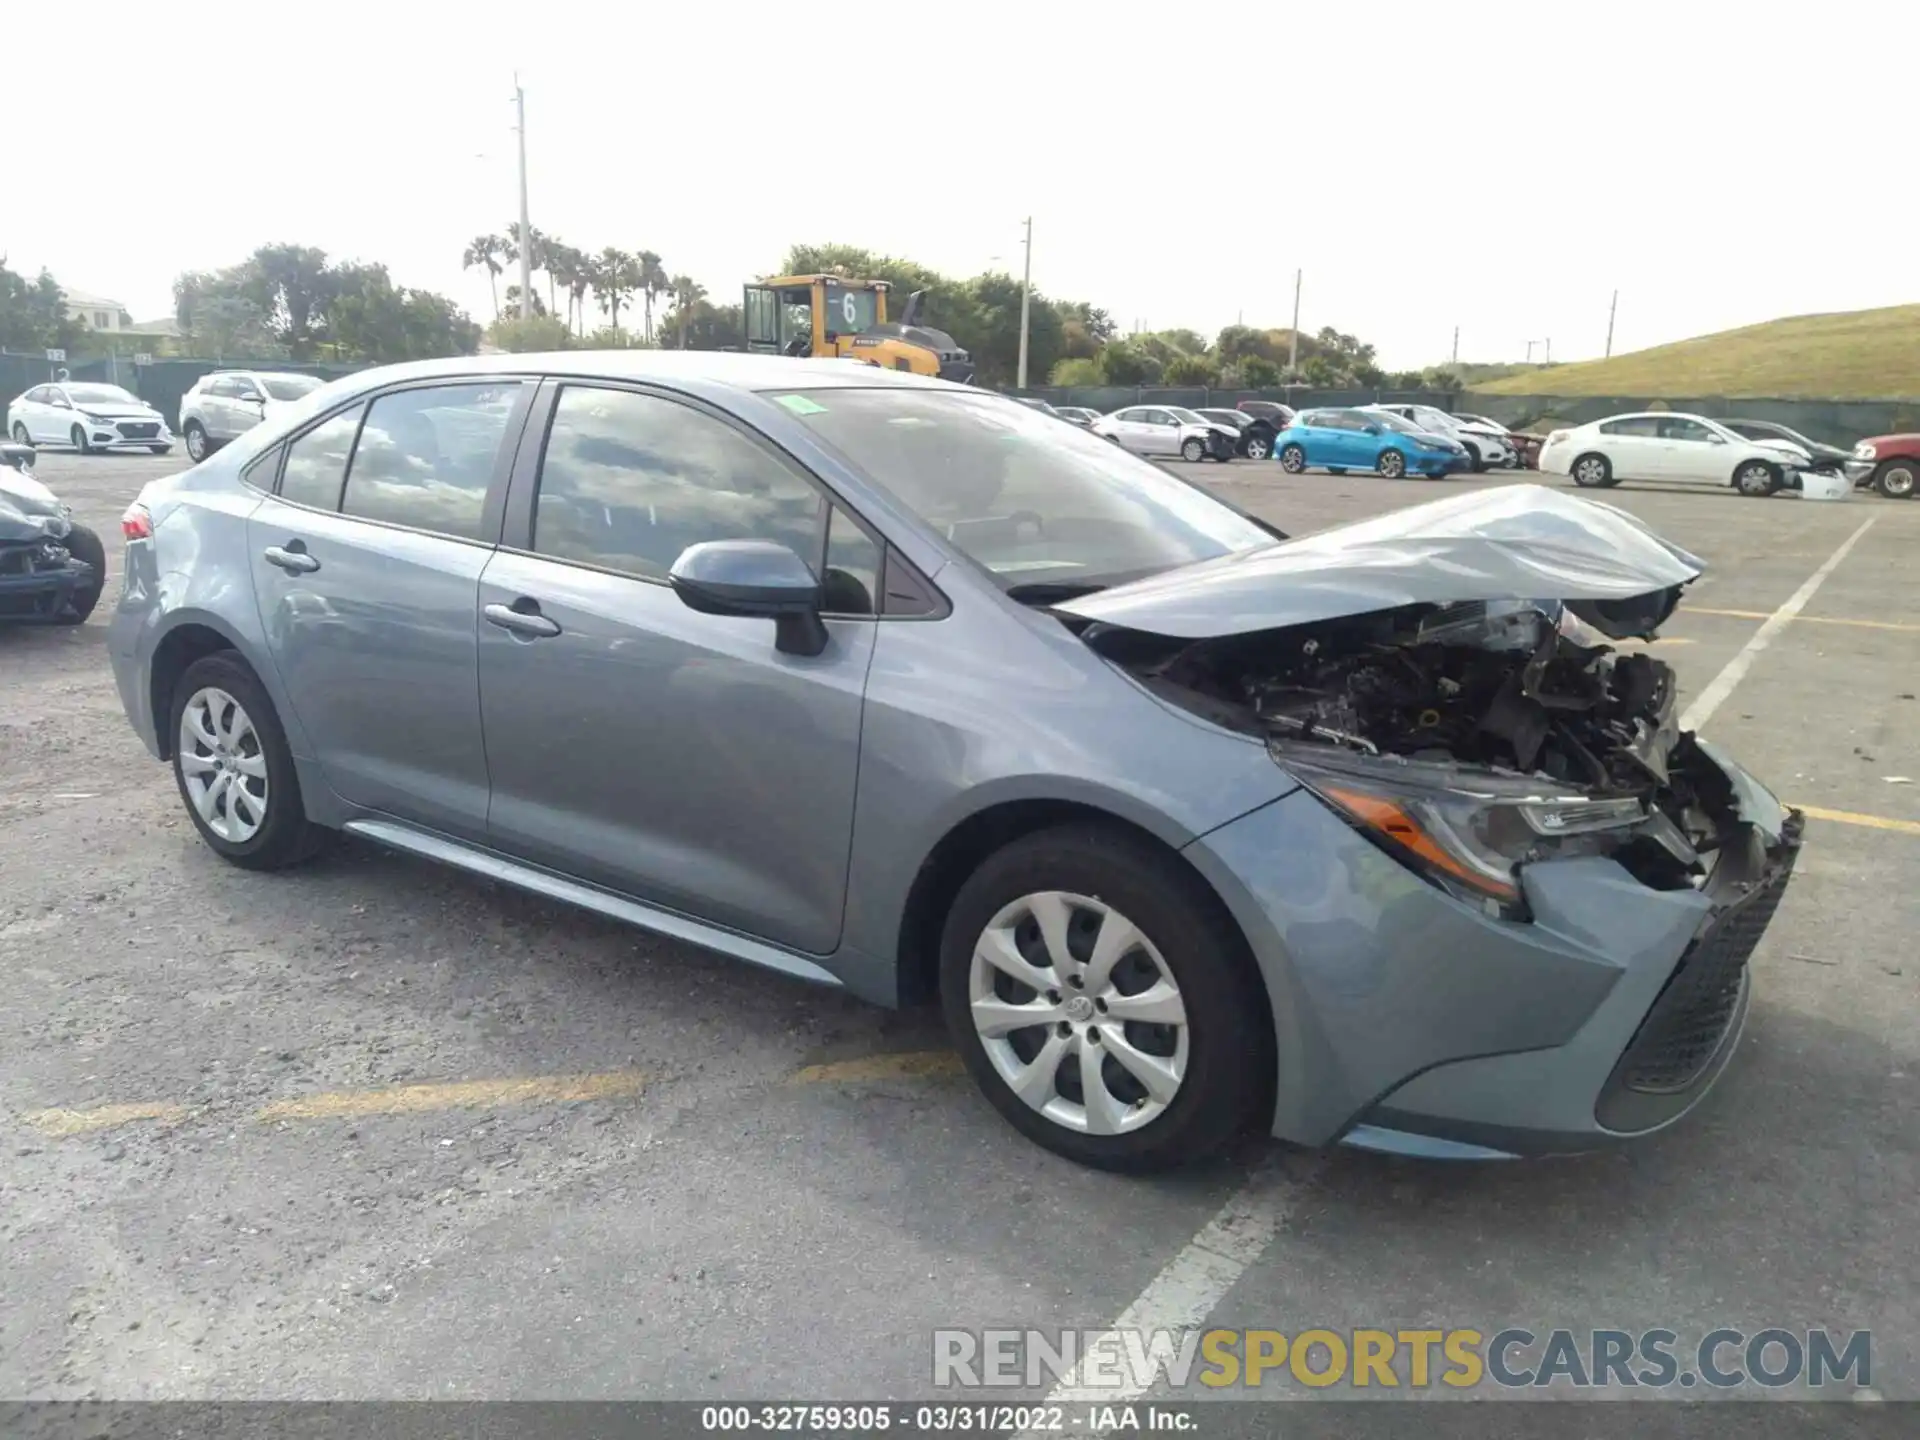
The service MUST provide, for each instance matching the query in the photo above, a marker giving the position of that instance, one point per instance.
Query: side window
(1685, 430)
(1641, 425)
(317, 461)
(1127, 417)
(1158, 417)
(426, 456)
(221, 388)
(36, 396)
(628, 481)
(259, 471)
(852, 579)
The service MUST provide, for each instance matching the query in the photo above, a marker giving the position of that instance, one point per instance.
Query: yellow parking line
(907, 1065)
(460, 1095)
(1804, 619)
(1871, 822)
(104, 1117)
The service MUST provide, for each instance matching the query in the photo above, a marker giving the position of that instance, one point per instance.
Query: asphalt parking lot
(372, 1129)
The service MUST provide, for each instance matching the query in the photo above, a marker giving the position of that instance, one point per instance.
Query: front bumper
(1408, 1021)
(38, 583)
(1439, 465)
(1860, 472)
(122, 434)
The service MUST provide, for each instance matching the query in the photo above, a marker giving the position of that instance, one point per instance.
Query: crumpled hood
(1519, 542)
(28, 509)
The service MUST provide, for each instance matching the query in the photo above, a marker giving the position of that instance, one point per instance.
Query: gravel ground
(671, 1176)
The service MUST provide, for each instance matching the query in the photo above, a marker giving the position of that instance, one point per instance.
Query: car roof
(710, 369)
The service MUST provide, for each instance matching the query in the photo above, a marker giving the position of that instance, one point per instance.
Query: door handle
(292, 558)
(526, 621)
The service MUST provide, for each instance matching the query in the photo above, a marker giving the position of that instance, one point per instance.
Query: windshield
(1185, 417)
(1026, 497)
(100, 395)
(1387, 420)
(289, 387)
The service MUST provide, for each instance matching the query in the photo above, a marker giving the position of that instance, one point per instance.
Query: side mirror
(753, 578)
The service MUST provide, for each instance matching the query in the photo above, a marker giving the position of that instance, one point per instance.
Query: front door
(1690, 451)
(632, 742)
(366, 569)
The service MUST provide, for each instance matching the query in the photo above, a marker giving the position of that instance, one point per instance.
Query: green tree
(1259, 372)
(1193, 370)
(33, 315)
(687, 292)
(1124, 363)
(291, 287)
(542, 332)
(538, 306)
(492, 251)
(616, 275)
(711, 327)
(1077, 370)
(650, 280)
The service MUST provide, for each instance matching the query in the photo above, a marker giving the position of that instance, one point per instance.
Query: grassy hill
(1855, 355)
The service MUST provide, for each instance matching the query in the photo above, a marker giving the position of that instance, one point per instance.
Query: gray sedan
(900, 687)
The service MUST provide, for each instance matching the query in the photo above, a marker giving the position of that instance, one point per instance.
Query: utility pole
(1549, 344)
(526, 230)
(1610, 312)
(1293, 340)
(1456, 344)
(1026, 293)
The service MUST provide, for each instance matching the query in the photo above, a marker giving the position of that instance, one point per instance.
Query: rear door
(30, 410)
(674, 756)
(366, 569)
(1633, 447)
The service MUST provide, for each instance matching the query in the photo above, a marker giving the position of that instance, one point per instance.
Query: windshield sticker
(800, 404)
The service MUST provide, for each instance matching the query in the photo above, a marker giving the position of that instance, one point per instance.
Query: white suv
(1488, 447)
(228, 403)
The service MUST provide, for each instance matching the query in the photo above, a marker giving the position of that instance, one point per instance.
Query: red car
(1889, 463)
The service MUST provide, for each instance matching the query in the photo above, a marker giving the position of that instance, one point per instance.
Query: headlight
(1466, 833)
(1864, 451)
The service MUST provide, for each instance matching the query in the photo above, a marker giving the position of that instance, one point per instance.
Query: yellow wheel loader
(830, 316)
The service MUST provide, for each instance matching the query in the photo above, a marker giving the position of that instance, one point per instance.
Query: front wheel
(1593, 472)
(84, 545)
(1293, 459)
(1474, 460)
(1392, 464)
(1756, 479)
(1104, 1001)
(1193, 451)
(234, 769)
(1257, 448)
(1894, 478)
(79, 438)
(196, 437)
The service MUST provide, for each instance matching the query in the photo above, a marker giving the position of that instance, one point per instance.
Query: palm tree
(492, 251)
(616, 275)
(577, 276)
(650, 279)
(540, 247)
(687, 292)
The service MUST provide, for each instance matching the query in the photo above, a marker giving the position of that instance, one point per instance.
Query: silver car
(901, 687)
(228, 403)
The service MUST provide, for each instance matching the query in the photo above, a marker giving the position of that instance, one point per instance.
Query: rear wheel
(1895, 478)
(1757, 479)
(1293, 459)
(1103, 1001)
(234, 768)
(1392, 464)
(20, 436)
(1593, 472)
(1258, 448)
(1193, 451)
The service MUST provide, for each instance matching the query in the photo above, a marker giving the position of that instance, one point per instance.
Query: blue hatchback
(1342, 440)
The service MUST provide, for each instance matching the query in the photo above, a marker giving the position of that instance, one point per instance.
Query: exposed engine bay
(1520, 696)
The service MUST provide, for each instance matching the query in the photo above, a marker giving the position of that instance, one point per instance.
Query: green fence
(1834, 422)
(1107, 398)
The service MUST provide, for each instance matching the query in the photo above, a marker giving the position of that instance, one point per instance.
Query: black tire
(286, 837)
(1193, 451)
(20, 436)
(83, 544)
(79, 438)
(1258, 447)
(1293, 459)
(199, 446)
(1392, 464)
(1336, 469)
(1593, 472)
(1475, 461)
(1756, 479)
(1895, 478)
(1230, 1039)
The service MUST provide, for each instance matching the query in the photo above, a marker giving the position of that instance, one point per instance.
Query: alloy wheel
(196, 442)
(223, 766)
(1256, 448)
(1590, 471)
(1392, 465)
(20, 436)
(1293, 460)
(1896, 482)
(1078, 1013)
(1755, 478)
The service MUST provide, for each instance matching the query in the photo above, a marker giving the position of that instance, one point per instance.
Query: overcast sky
(1498, 167)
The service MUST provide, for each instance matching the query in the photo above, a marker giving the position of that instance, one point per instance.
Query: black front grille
(1683, 1030)
(139, 429)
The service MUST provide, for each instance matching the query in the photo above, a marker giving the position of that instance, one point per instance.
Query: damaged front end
(41, 580)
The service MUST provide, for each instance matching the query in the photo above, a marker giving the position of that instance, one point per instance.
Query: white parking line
(1711, 698)
(1184, 1294)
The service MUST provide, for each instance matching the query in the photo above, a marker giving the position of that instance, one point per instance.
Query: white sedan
(87, 417)
(1664, 446)
(1167, 430)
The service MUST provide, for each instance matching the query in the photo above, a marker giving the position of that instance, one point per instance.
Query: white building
(96, 312)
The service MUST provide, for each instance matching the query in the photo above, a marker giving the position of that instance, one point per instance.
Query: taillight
(137, 523)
